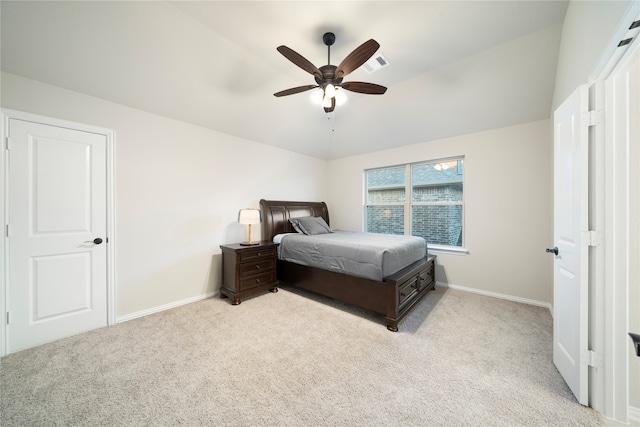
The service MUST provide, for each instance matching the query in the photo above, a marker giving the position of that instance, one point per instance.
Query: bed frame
(394, 297)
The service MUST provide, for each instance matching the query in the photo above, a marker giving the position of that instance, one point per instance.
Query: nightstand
(248, 270)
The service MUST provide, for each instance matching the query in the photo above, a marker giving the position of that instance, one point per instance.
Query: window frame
(408, 203)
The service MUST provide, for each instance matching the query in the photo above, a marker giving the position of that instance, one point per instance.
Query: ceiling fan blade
(294, 90)
(299, 60)
(362, 87)
(356, 58)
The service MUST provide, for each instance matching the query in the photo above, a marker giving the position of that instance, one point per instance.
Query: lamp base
(249, 244)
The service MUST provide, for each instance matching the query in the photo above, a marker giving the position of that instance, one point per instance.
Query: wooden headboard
(276, 215)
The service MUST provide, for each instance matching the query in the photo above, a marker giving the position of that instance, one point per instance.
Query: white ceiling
(456, 66)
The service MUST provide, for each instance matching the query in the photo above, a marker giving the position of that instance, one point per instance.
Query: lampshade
(250, 216)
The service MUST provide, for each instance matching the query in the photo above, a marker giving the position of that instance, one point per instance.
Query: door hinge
(7, 146)
(592, 118)
(592, 238)
(591, 358)
(8, 318)
(6, 232)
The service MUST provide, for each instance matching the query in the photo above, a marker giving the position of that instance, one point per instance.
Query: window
(419, 199)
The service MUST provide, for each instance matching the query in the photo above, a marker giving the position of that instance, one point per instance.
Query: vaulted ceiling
(456, 67)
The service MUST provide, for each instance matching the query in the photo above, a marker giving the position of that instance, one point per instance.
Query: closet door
(570, 277)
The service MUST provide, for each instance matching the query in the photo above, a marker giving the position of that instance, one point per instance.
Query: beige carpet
(293, 359)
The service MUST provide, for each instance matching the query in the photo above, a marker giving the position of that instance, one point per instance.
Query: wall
(508, 214)
(586, 33)
(178, 191)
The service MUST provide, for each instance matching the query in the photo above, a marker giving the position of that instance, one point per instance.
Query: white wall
(508, 214)
(178, 191)
(586, 32)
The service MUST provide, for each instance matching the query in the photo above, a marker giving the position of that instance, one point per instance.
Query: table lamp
(249, 217)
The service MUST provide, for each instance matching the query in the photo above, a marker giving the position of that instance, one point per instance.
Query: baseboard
(497, 295)
(169, 306)
(634, 414)
(175, 304)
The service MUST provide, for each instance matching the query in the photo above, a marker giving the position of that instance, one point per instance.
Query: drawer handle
(258, 267)
(257, 280)
(413, 286)
(259, 254)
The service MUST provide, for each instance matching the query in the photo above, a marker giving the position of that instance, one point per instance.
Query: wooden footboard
(406, 287)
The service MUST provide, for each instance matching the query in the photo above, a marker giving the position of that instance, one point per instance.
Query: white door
(570, 277)
(57, 284)
(623, 232)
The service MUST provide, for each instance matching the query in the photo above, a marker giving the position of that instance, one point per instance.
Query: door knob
(552, 251)
(97, 241)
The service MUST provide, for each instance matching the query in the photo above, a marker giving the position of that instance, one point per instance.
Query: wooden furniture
(394, 297)
(248, 270)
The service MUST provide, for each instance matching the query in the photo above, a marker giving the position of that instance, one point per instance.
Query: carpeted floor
(296, 359)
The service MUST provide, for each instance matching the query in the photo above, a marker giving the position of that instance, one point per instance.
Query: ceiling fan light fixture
(330, 90)
(341, 97)
(317, 95)
(326, 102)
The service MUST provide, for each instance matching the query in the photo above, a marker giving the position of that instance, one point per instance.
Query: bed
(393, 296)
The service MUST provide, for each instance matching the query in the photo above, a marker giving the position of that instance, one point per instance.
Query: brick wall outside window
(385, 219)
(439, 224)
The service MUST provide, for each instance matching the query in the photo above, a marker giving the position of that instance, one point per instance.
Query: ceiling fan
(329, 77)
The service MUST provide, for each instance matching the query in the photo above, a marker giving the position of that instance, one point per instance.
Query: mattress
(373, 256)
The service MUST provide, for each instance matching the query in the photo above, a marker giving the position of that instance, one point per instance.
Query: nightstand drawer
(264, 253)
(258, 280)
(259, 266)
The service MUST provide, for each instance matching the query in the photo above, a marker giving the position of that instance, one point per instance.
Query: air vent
(635, 24)
(375, 63)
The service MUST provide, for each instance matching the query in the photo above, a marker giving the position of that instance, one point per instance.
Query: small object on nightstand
(248, 217)
(248, 270)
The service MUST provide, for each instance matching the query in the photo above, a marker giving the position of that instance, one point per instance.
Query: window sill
(447, 250)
